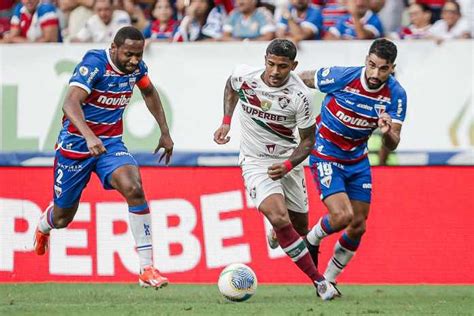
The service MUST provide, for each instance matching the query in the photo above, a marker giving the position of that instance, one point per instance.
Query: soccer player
(91, 141)
(274, 103)
(358, 101)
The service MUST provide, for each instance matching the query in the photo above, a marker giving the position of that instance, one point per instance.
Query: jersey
(110, 90)
(269, 116)
(31, 25)
(350, 112)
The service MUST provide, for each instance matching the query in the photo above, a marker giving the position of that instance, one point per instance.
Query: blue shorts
(72, 175)
(332, 177)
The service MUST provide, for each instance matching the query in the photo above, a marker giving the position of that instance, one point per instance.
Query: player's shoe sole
(272, 239)
(41, 242)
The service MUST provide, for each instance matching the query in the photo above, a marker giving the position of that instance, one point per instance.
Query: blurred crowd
(234, 20)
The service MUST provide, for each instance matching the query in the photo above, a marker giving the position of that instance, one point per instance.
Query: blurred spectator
(391, 15)
(33, 21)
(451, 25)
(163, 26)
(376, 5)
(420, 23)
(249, 22)
(435, 7)
(301, 21)
(137, 16)
(333, 10)
(102, 26)
(360, 23)
(467, 12)
(76, 13)
(6, 8)
(203, 21)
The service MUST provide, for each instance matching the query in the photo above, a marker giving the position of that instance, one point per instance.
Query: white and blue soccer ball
(237, 282)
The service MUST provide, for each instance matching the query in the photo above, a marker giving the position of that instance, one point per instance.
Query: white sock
(140, 223)
(45, 224)
(338, 262)
(316, 234)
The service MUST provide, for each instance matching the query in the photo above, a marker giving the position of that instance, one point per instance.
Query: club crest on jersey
(326, 72)
(266, 105)
(326, 181)
(380, 108)
(83, 71)
(271, 148)
(58, 191)
(283, 102)
(131, 82)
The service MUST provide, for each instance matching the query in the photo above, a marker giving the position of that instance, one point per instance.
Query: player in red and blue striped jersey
(91, 141)
(358, 101)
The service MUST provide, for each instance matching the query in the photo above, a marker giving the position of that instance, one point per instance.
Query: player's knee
(343, 218)
(279, 220)
(134, 191)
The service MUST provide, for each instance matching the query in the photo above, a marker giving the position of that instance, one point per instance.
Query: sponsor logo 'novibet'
(355, 121)
(202, 220)
(122, 101)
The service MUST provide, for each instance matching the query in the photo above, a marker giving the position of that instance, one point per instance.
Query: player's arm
(301, 152)
(231, 97)
(50, 34)
(154, 105)
(308, 78)
(72, 108)
(390, 131)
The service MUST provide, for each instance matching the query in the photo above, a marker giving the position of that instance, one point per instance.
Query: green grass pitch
(130, 299)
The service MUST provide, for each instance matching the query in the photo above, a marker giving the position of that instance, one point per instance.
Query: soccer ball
(237, 282)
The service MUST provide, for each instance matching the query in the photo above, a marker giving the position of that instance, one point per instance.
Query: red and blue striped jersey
(110, 90)
(350, 112)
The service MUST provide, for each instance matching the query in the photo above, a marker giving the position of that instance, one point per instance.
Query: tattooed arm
(308, 78)
(231, 97)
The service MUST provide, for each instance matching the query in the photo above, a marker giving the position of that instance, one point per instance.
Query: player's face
(103, 9)
(128, 56)
(300, 4)
(277, 70)
(30, 5)
(377, 71)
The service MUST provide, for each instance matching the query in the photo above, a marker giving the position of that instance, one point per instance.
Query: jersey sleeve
(314, 21)
(265, 20)
(15, 20)
(331, 79)
(374, 26)
(305, 112)
(142, 79)
(397, 110)
(87, 73)
(47, 15)
(236, 79)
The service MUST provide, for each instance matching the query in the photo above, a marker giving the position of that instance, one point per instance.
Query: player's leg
(359, 187)
(70, 178)
(120, 171)
(347, 245)
(330, 181)
(274, 209)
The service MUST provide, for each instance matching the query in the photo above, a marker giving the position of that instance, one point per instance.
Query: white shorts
(292, 186)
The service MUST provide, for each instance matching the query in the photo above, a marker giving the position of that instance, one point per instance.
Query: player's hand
(167, 143)
(95, 146)
(220, 135)
(385, 123)
(277, 171)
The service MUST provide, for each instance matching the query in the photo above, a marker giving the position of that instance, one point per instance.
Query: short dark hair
(456, 4)
(128, 32)
(282, 47)
(423, 6)
(384, 49)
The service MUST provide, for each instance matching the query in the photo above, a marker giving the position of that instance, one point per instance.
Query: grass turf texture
(130, 299)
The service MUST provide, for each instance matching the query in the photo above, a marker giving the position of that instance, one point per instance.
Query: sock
(344, 250)
(294, 246)
(140, 223)
(319, 231)
(45, 224)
